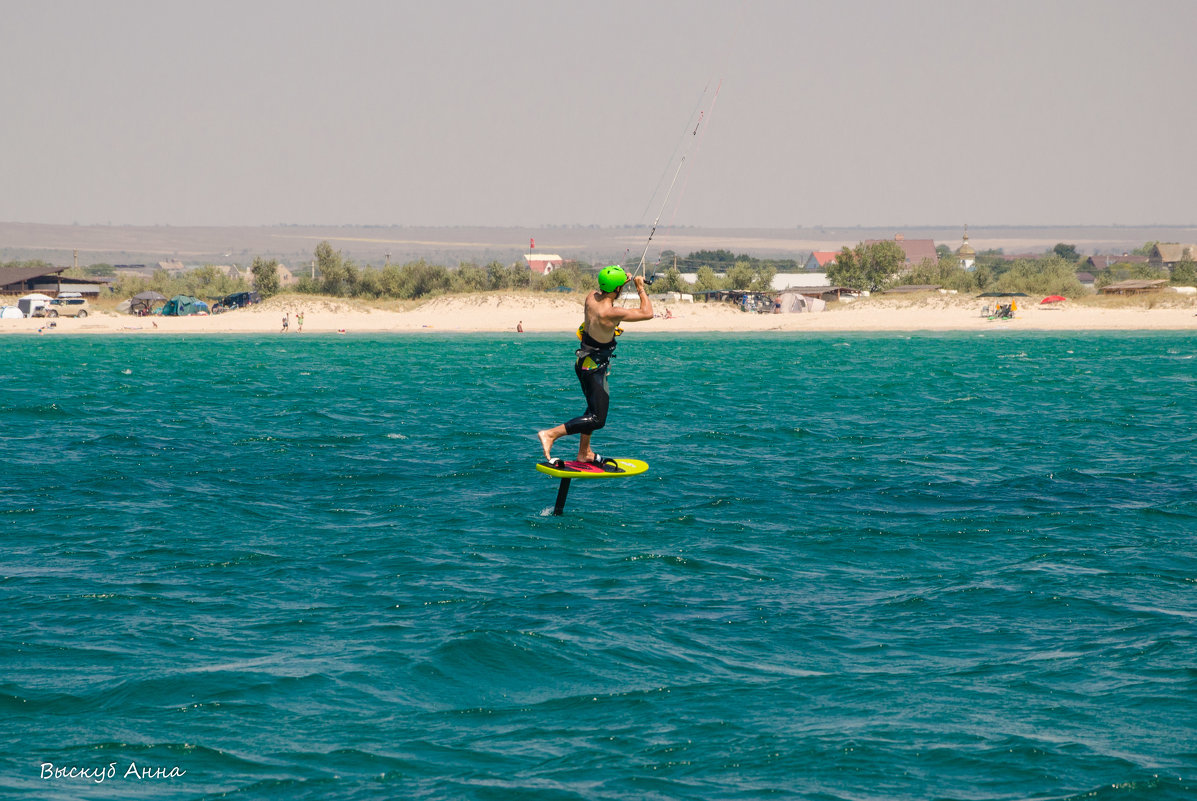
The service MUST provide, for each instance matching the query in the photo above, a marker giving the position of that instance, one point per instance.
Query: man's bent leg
(548, 437)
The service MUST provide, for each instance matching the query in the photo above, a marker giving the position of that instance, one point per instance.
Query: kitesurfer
(600, 326)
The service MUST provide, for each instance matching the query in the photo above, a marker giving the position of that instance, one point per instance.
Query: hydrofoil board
(613, 468)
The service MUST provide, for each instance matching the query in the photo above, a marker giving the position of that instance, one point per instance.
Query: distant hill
(293, 245)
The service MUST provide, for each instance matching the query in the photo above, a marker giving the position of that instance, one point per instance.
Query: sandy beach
(540, 313)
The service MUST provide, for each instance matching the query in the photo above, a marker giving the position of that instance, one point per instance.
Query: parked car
(68, 305)
(239, 300)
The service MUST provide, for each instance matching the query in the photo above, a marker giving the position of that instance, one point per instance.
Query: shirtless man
(601, 319)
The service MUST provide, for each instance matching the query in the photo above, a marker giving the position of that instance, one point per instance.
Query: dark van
(239, 300)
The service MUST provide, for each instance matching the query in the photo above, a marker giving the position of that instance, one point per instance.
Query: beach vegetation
(207, 283)
(570, 277)
(340, 277)
(265, 273)
(1184, 273)
(671, 281)
(983, 276)
(469, 278)
(720, 261)
(1126, 271)
(705, 280)
(1051, 275)
(335, 276)
(507, 276)
(418, 279)
(946, 273)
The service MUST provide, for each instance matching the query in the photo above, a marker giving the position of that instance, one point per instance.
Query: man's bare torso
(598, 325)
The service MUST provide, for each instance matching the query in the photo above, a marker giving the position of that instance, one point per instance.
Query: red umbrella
(1052, 299)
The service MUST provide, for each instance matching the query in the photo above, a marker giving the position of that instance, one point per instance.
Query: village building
(966, 256)
(1099, 262)
(819, 259)
(543, 263)
(49, 281)
(1167, 254)
(1135, 286)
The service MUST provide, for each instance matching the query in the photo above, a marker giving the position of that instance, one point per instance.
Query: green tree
(1184, 273)
(419, 279)
(868, 267)
(508, 276)
(762, 276)
(208, 282)
(1066, 252)
(671, 281)
(705, 280)
(469, 278)
(1048, 276)
(369, 284)
(265, 275)
(334, 278)
(569, 277)
(353, 277)
(740, 276)
(715, 259)
(1146, 248)
(946, 273)
(983, 276)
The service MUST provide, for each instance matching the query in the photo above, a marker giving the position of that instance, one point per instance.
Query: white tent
(794, 302)
(7, 312)
(32, 302)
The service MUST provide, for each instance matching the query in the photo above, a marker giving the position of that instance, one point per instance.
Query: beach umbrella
(143, 300)
(1052, 299)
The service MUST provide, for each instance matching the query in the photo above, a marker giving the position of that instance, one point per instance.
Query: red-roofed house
(916, 250)
(819, 260)
(543, 263)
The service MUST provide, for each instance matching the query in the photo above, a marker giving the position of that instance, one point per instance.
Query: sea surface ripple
(861, 567)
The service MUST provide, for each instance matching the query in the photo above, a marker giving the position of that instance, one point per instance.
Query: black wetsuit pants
(591, 369)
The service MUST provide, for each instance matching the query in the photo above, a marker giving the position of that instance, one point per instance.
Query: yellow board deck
(627, 467)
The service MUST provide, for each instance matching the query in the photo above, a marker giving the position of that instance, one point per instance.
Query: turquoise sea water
(861, 567)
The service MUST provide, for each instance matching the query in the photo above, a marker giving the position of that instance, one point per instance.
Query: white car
(68, 306)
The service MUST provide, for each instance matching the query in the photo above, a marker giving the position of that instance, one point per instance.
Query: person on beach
(519, 327)
(299, 322)
(600, 326)
(286, 322)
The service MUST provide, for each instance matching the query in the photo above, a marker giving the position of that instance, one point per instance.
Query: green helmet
(612, 278)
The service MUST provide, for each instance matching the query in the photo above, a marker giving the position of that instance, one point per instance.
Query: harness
(594, 355)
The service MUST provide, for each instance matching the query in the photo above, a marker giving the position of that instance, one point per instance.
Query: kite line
(688, 145)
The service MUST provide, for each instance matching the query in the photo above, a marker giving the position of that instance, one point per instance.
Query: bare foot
(546, 441)
(588, 456)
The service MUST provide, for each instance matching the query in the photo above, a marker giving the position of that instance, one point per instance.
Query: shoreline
(555, 314)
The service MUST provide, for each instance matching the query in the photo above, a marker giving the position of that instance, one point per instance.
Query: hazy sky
(551, 112)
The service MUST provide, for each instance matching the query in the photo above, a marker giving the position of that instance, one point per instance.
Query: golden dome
(966, 249)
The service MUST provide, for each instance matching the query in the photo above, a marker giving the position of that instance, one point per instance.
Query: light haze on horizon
(542, 113)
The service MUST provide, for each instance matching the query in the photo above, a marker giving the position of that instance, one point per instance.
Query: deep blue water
(861, 567)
